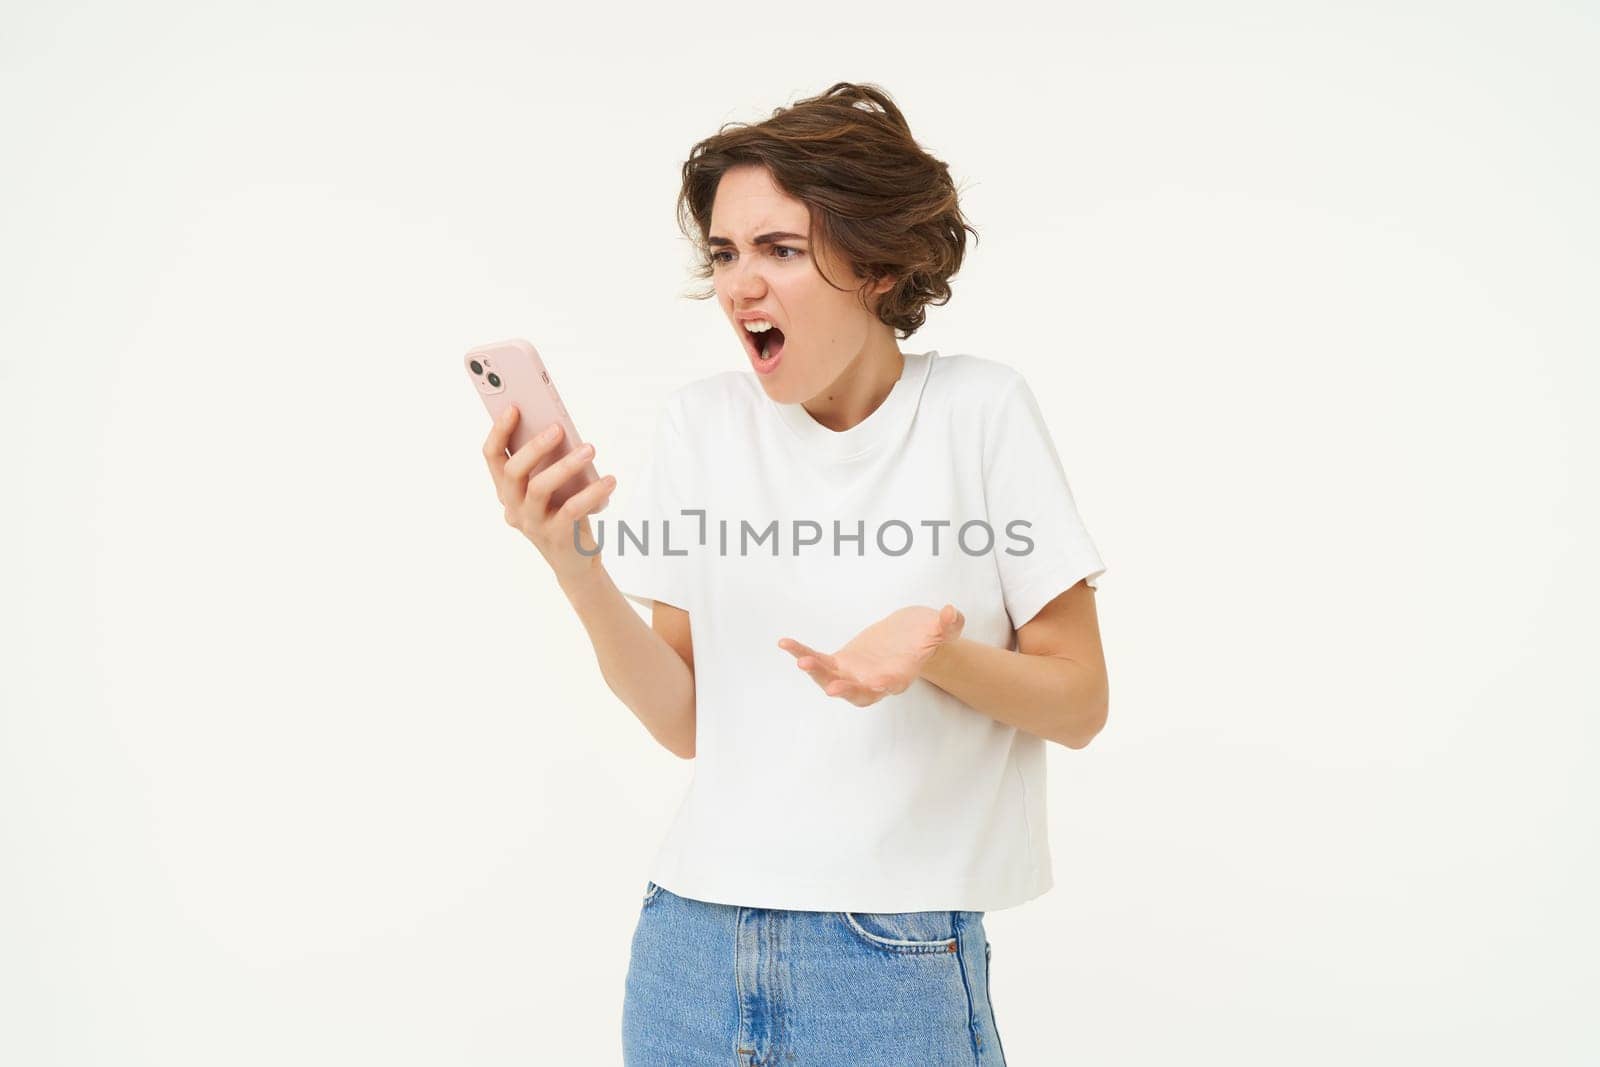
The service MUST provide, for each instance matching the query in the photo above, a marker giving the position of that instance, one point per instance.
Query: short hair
(873, 194)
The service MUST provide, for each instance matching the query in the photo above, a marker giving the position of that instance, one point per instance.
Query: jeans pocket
(650, 891)
(905, 932)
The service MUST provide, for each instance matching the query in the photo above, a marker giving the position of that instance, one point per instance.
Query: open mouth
(764, 346)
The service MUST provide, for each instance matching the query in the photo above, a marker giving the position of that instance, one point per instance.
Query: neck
(865, 384)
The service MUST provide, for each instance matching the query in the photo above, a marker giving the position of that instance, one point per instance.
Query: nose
(745, 281)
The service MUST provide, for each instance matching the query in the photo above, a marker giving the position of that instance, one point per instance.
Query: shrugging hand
(883, 659)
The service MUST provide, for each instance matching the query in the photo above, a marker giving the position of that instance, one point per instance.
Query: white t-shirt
(802, 800)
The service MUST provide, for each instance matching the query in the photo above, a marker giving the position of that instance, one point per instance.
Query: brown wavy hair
(873, 194)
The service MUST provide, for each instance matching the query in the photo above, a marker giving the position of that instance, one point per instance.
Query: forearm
(637, 664)
(1056, 698)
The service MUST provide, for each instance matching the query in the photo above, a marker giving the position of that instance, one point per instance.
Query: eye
(716, 257)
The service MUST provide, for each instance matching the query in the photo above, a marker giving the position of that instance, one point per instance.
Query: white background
(306, 760)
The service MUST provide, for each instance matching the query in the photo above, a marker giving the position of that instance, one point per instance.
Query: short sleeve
(652, 559)
(1041, 547)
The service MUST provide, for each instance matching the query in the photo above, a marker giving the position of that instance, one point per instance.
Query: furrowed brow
(763, 239)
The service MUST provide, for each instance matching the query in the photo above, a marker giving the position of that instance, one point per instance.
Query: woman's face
(824, 330)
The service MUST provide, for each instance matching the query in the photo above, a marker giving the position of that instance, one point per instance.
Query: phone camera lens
(494, 379)
(477, 368)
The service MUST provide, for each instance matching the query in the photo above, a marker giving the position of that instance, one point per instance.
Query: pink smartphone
(511, 372)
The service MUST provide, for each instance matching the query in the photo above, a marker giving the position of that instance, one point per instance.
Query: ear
(884, 285)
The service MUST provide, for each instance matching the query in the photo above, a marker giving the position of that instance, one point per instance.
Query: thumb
(956, 620)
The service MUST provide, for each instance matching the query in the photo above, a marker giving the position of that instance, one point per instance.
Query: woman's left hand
(884, 658)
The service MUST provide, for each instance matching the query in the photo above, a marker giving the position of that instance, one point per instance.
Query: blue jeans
(714, 984)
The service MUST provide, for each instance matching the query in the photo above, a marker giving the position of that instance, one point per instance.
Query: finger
(834, 684)
(806, 650)
(866, 699)
(817, 669)
(541, 485)
(951, 621)
(529, 455)
(819, 674)
(854, 692)
(799, 651)
(844, 682)
(514, 472)
(874, 688)
(587, 500)
(808, 658)
(494, 446)
(795, 648)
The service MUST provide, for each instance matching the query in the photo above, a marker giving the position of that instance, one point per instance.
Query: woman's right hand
(527, 500)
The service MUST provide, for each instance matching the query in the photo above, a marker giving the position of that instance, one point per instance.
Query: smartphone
(511, 372)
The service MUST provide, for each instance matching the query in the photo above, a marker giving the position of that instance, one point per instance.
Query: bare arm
(649, 668)
(1054, 685)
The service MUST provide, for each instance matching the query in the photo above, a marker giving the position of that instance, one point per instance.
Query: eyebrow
(764, 239)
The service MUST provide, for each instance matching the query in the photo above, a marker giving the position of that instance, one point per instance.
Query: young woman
(871, 608)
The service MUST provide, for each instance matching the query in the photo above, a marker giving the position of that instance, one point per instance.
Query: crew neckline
(877, 427)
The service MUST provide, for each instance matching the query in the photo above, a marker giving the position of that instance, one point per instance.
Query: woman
(819, 898)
